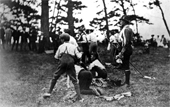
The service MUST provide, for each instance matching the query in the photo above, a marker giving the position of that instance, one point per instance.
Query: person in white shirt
(72, 39)
(84, 44)
(93, 46)
(66, 54)
(8, 33)
(113, 45)
(158, 40)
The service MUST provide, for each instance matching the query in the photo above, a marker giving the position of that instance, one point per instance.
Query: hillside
(25, 77)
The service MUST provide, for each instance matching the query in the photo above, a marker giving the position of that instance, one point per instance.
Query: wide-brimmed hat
(126, 18)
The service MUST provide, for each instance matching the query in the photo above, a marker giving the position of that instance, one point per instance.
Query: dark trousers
(66, 65)
(126, 59)
(125, 65)
(16, 42)
(24, 46)
(41, 47)
(93, 47)
(33, 46)
(85, 80)
(86, 53)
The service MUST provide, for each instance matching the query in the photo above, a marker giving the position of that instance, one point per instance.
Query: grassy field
(26, 76)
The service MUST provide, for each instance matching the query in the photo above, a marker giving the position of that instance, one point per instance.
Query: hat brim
(129, 22)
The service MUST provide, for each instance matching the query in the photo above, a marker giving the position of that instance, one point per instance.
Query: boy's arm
(57, 54)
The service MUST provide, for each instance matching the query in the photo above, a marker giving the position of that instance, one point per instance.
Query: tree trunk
(70, 17)
(131, 3)
(45, 21)
(163, 17)
(106, 18)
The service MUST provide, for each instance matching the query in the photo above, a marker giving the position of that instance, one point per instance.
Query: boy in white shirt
(66, 54)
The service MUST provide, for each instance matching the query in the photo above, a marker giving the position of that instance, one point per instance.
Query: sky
(145, 30)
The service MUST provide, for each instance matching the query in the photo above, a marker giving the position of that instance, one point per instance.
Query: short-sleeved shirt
(93, 37)
(126, 36)
(73, 41)
(71, 49)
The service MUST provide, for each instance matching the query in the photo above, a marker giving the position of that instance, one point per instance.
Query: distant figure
(84, 43)
(146, 47)
(164, 41)
(33, 39)
(16, 34)
(24, 40)
(2, 36)
(41, 43)
(158, 40)
(114, 45)
(55, 39)
(153, 42)
(93, 40)
(8, 33)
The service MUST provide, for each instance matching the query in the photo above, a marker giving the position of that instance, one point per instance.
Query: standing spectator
(29, 40)
(114, 45)
(2, 36)
(126, 36)
(158, 40)
(153, 42)
(33, 39)
(93, 46)
(8, 33)
(55, 39)
(24, 41)
(16, 34)
(41, 43)
(84, 43)
(163, 40)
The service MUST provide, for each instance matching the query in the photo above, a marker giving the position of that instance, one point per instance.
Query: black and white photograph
(84, 53)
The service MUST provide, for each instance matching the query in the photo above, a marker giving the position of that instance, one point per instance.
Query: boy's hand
(120, 55)
(80, 49)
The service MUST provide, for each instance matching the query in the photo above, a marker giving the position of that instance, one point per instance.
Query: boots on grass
(52, 84)
(127, 73)
(127, 78)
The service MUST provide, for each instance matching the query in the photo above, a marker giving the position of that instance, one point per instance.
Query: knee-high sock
(127, 77)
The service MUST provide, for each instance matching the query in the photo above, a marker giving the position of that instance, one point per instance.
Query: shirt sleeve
(57, 54)
(127, 36)
(73, 41)
(77, 53)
